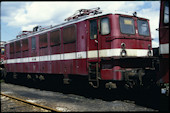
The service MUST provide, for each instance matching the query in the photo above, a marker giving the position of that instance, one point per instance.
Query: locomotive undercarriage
(138, 77)
(135, 72)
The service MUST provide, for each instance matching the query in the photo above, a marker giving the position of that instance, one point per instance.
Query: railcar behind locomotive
(107, 49)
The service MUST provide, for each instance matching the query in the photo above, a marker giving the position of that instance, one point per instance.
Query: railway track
(45, 108)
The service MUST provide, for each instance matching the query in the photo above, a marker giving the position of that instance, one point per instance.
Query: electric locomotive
(110, 50)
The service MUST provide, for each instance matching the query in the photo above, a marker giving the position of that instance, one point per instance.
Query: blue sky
(19, 16)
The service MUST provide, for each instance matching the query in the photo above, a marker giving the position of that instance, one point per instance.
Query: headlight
(123, 52)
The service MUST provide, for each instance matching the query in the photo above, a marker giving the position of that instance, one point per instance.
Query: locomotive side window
(55, 38)
(166, 13)
(105, 29)
(69, 34)
(127, 25)
(11, 48)
(24, 44)
(143, 27)
(93, 29)
(33, 40)
(43, 40)
(18, 46)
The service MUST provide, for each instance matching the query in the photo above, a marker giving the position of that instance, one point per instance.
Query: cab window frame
(108, 25)
(121, 26)
(147, 26)
(93, 33)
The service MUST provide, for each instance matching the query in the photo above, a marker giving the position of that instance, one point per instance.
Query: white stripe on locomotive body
(69, 56)
(55, 57)
(116, 52)
(164, 48)
(80, 55)
(24, 60)
(44, 58)
(92, 54)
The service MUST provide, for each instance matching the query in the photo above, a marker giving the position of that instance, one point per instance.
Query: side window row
(69, 36)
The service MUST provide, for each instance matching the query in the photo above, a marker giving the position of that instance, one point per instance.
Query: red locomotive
(107, 49)
(164, 46)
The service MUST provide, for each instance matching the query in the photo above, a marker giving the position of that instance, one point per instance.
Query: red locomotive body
(164, 45)
(109, 48)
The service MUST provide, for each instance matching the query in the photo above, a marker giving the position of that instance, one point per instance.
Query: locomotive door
(93, 52)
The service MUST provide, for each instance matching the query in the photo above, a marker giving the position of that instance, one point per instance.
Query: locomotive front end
(126, 57)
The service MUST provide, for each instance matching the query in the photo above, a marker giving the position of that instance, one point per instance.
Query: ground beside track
(68, 102)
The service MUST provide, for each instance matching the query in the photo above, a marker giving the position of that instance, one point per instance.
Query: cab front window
(127, 25)
(143, 27)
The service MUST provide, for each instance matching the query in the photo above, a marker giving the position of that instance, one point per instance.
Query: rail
(31, 103)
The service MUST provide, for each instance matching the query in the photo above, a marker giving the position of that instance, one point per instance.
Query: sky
(20, 16)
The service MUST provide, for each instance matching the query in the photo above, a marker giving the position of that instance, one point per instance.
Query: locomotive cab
(119, 50)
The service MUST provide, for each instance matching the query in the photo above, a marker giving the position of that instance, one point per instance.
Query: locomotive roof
(61, 25)
(58, 26)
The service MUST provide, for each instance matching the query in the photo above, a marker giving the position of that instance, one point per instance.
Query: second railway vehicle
(164, 46)
(110, 50)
